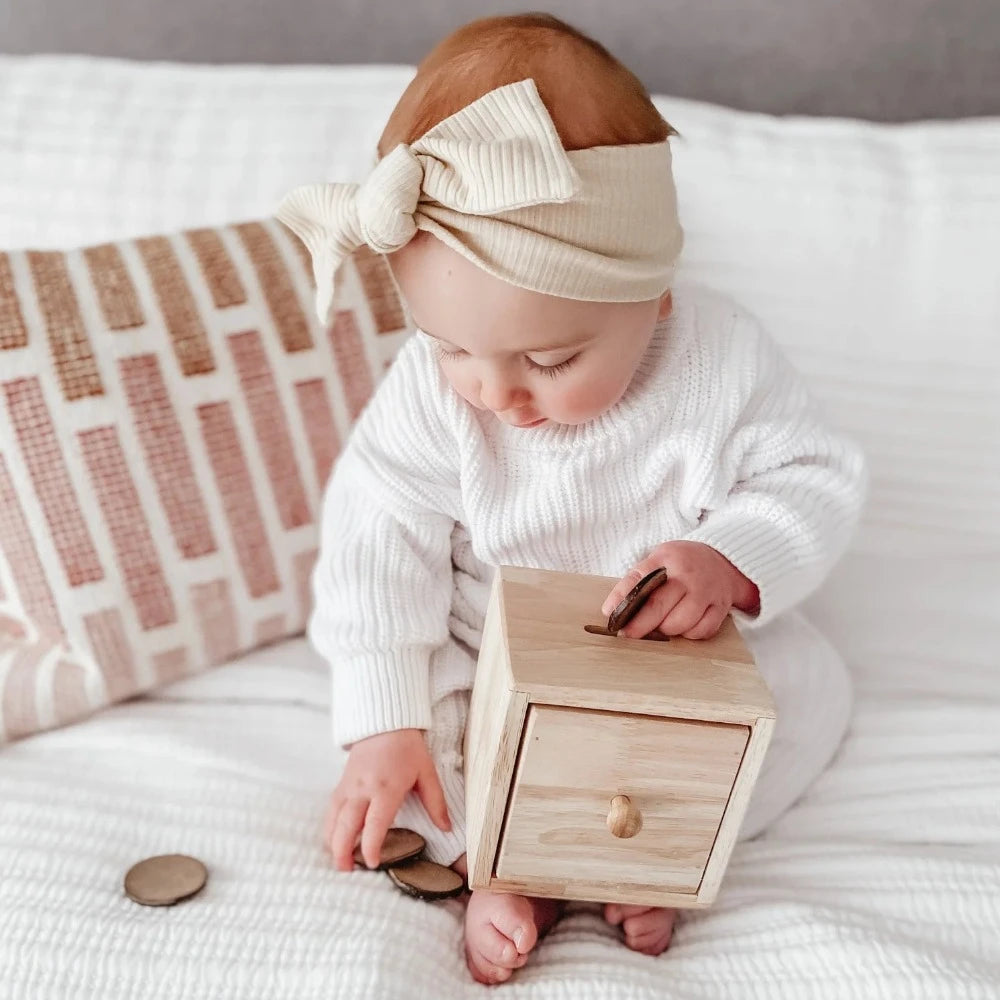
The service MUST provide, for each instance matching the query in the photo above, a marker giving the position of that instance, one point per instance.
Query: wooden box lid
(554, 661)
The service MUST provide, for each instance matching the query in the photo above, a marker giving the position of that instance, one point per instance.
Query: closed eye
(445, 354)
(551, 370)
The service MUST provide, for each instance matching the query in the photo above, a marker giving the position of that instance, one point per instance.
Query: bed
(883, 881)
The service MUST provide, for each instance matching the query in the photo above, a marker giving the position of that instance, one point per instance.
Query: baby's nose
(500, 394)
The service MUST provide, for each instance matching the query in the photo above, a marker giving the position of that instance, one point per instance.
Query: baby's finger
(432, 795)
(330, 820)
(660, 604)
(345, 834)
(709, 623)
(684, 616)
(381, 812)
(627, 582)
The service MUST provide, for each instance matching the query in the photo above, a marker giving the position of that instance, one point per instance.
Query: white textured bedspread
(883, 882)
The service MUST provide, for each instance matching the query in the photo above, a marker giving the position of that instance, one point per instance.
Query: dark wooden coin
(427, 880)
(597, 630)
(656, 634)
(165, 879)
(629, 606)
(399, 845)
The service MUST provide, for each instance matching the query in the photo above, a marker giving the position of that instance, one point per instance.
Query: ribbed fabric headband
(494, 183)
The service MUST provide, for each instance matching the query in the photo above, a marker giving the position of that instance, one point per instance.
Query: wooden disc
(656, 634)
(427, 880)
(629, 606)
(165, 880)
(399, 845)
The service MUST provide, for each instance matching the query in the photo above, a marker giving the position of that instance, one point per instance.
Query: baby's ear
(666, 304)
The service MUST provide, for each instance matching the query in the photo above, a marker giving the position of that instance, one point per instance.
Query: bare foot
(647, 928)
(500, 931)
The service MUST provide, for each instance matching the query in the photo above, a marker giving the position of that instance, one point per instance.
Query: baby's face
(528, 358)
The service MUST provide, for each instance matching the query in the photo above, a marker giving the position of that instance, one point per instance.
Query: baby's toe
(649, 932)
(653, 942)
(642, 923)
(483, 970)
(617, 913)
(516, 922)
(499, 949)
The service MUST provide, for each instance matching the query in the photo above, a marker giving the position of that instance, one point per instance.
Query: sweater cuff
(380, 693)
(761, 552)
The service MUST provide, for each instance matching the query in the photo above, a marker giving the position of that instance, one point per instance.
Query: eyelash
(550, 371)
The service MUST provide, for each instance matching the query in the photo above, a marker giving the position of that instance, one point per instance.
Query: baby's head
(525, 355)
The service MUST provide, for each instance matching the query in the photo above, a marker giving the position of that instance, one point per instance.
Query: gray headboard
(879, 59)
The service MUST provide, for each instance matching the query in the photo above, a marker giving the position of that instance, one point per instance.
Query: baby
(564, 404)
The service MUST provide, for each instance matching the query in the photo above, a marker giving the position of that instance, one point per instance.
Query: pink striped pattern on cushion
(169, 414)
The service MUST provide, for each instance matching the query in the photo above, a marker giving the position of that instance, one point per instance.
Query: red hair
(592, 98)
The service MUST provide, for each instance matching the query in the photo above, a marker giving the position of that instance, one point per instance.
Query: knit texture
(715, 440)
(494, 183)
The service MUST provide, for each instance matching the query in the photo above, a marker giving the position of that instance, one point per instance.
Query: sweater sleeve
(383, 580)
(788, 491)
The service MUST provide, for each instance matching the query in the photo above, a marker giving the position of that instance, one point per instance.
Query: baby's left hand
(702, 587)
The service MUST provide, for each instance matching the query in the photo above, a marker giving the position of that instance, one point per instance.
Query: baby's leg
(812, 694)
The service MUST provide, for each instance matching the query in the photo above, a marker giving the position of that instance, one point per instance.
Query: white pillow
(104, 149)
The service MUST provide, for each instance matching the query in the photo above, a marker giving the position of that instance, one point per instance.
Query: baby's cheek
(465, 387)
(589, 398)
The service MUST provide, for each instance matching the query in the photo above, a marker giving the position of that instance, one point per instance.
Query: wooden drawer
(573, 761)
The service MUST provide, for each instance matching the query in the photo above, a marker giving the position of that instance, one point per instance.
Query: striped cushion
(169, 413)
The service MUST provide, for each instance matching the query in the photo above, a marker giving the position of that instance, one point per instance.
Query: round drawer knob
(624, 820)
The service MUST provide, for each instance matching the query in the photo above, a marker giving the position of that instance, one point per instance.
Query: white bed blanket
(883, 882)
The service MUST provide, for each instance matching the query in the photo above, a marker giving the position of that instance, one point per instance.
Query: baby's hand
(702, 587)
(380, 771)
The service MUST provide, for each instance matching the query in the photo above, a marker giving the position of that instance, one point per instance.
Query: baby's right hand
(380, 771)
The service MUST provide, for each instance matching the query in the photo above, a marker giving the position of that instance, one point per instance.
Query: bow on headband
(494, 183)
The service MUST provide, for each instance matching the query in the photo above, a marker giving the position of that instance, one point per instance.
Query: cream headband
(494, 183)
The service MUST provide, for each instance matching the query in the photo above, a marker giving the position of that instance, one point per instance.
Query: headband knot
(387, 201)
(494, 183)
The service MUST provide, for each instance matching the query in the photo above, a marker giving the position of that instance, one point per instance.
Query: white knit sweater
(716, 440)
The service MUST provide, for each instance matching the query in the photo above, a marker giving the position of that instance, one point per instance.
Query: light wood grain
(725, 841)
(605, 891)
(562, 603)
(574, 762)
(492, 737)
(556, 662)
(562, 721)
(624, 819)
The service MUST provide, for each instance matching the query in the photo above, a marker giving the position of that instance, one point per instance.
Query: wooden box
(571, 734)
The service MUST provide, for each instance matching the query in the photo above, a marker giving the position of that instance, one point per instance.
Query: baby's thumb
(432, 795)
